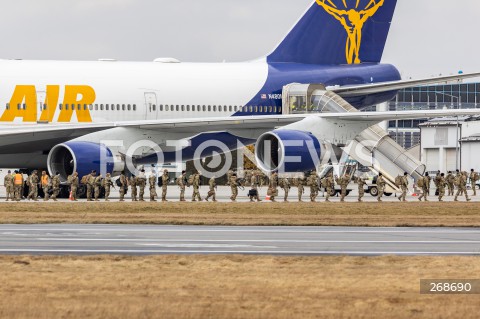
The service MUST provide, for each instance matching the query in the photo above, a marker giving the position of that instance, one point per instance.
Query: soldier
(90, 185)
(254, 184)
(33, 186)
(248, 177)
(9, 186)
(97, 184)
(301, 187)
(473, 181)
(313, 183)
(441, 187)
(123, 186)
(141, 182)
(211, 192)
(152, 185)
(428, 181)
(380, 186)
(286, 188)
(343, 182)
(165, 181)
(361, 191)
(45, 182)
(435, 181)
(229, 175)
(450, 183)
(458, 177)
(196, 187)
(74, 186)
(233, 182)
(404, 187)
(181, 182)
(330, 186)
(107, 184)
(462, 186)
(272, 186)
(55, 186)
(133, 188)
(423, 184)
(18, 184)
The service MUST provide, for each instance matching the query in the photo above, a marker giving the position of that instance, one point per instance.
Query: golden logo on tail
(353, 21)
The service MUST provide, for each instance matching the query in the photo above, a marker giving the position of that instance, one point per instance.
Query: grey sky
(428, 36)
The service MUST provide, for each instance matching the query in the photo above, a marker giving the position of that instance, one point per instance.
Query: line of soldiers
(14, 185)
(450, 181)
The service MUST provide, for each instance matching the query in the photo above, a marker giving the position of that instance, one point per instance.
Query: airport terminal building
(440, 144)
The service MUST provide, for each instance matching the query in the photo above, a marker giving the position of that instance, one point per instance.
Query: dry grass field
(232, 287)
(308, 214)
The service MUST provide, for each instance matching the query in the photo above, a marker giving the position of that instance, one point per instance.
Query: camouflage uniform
(90, 186)
(330, 183)
(272, 187)
(254, 183)
(97, 186)
(286, 188)
(153, 188)
(123, 186)
(424, 189)
(404, 187)
(55, 186)
(427, 184)
(300, 187)
(381, 187)
(473, 180)
(107, 184)
(45, 182)
(196, 188)
(165, 180)
(8, 182)
(141, 182)
(211, 192)
(18, 184)
(181, 183)
(233, 188)
(361, 190)
(74, 186)
(343, 182)
(33, 186)
(133, 188)
(313, 183)
(441, 188)
(462, 186)
(450, 183)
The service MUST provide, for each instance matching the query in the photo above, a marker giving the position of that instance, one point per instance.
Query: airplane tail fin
(338, 32)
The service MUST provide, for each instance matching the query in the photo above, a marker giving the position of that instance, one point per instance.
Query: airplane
(95, 115)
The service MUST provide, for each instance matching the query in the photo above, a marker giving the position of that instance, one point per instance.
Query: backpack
(84, 179)
(323, 182)
(456, 181)
(420, 182)
(190, 179)
(398, 181)
(69, 179)
(281, 183)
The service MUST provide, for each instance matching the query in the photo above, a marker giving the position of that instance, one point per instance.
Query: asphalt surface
(151, 240)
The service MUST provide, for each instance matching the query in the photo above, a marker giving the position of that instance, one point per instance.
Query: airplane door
(41, 104)
(151, 106)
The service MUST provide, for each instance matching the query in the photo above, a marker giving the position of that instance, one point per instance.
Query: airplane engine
(288, 151)
(82, 157)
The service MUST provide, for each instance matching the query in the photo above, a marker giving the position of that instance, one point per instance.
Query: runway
(64, 239)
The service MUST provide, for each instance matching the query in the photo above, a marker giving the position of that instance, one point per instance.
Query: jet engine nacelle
(288, 151)
(82, 157)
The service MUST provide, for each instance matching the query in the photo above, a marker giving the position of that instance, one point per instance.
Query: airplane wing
(48, 135)
(365, 89)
